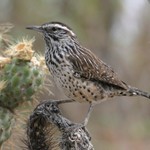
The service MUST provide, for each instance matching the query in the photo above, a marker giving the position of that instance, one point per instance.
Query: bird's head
(54, 31)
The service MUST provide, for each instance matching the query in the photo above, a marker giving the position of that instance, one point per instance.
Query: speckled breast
(76, 88)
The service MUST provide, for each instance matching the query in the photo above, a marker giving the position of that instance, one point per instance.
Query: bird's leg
(88, 114)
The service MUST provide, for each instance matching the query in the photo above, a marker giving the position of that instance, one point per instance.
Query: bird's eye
(54, 29)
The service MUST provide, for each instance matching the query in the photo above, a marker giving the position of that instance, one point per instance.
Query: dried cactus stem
(71, 135)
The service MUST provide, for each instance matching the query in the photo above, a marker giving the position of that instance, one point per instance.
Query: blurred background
(118, 31)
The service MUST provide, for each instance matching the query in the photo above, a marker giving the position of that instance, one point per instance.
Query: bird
(77, 71)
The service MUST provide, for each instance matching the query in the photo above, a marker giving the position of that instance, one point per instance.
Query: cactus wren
(77, 71)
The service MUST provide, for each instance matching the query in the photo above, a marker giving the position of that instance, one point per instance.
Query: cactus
(23, 80)
(5, 38)
(22, 74)
(6, 122)
(22, 71)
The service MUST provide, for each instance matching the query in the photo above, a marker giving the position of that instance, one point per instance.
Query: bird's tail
(136, 92)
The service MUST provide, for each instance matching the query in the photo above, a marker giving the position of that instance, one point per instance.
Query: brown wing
(88, 66)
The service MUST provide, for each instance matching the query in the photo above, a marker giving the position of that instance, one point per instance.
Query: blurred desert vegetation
(118, 31)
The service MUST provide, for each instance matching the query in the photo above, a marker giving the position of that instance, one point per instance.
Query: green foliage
(23, 80)
(6, 122)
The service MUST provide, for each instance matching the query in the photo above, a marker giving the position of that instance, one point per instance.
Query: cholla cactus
(4, 36)
(21, 50)
(6, 121)
(3, 61)
(2, 85)
(22, 75)
(55, 132)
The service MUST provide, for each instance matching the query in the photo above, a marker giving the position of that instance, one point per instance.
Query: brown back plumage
(90, 67)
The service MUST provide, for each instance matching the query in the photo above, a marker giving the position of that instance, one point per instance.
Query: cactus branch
(46, 121)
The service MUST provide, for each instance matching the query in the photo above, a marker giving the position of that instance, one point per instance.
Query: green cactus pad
(23, 80)
(6, 123)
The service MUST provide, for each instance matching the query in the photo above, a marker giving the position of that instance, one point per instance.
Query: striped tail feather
(136, 92)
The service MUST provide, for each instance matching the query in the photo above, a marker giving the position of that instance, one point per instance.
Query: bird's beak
(36, 28)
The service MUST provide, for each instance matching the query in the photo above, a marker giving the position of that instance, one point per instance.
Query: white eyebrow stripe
(60, 26)
(65, 28)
